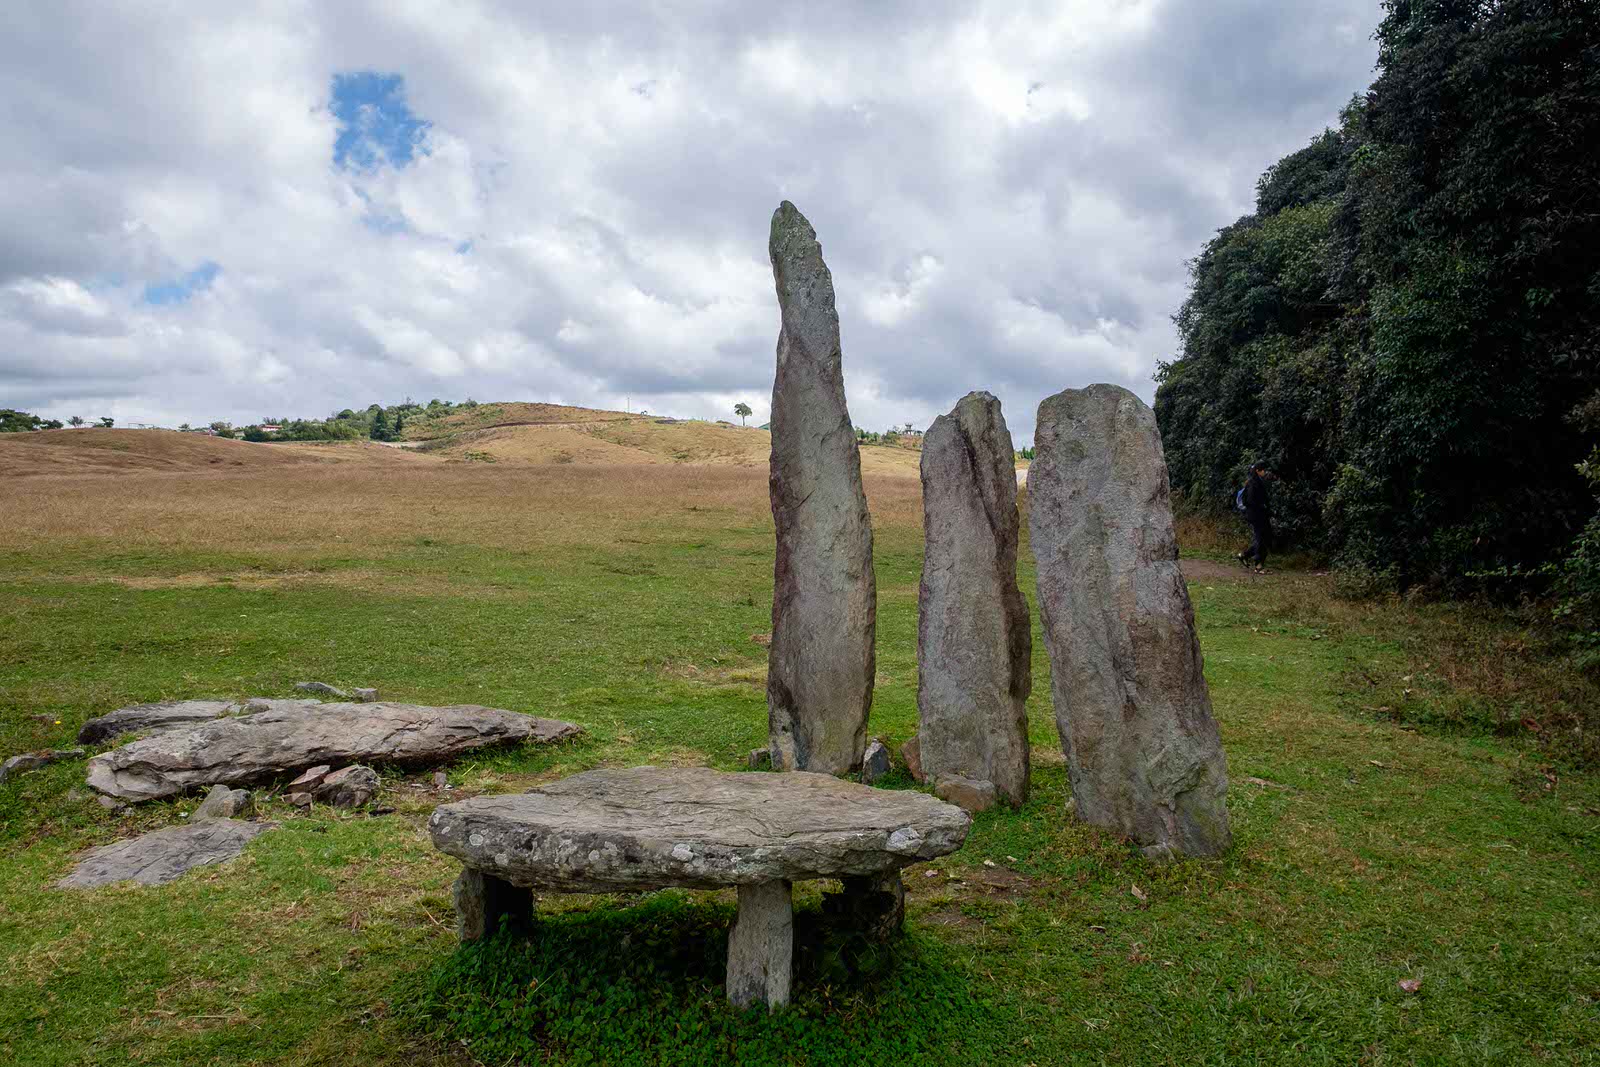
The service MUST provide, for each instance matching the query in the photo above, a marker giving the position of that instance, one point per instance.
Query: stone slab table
(653, 827)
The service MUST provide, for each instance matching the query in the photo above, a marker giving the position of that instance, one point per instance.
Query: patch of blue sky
(387, 224)
(376, 125)
(381, 219)
(178, 290)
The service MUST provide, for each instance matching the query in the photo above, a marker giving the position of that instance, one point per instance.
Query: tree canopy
(1408, 325)
(14, 421)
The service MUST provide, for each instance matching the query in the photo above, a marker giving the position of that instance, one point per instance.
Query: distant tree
(222, 429)
(373, 409)
(12, 421)
(469, 403)
(76, 420)
(183, 427)
(345, 414)
(256, 433)
(380, 427)
(106, 422)
(743, 411)
(399, 424)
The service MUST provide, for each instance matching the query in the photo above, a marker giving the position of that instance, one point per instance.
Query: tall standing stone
(824, 597)
(974, 643)
(1142, 748)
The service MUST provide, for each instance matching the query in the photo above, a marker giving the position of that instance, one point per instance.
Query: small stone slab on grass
(162, 856)
(32, 761)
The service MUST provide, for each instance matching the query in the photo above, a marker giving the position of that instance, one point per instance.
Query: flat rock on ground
(824, 604)
(163, 855)
(651, 827)
(1143, 753)
(32, 761)
(266, 745)
(147, 718)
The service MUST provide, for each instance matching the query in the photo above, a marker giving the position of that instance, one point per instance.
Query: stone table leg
(761, 946)
(874, 904)
(481, 899)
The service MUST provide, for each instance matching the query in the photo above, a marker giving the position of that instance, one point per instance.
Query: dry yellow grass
(485, 416)
(545, 444)
(76, 452)
(610, 437)
(141, 493)
(290, 513)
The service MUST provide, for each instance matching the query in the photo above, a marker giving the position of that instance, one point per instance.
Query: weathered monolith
(824, 600)
(1142, 748)
(974, 644)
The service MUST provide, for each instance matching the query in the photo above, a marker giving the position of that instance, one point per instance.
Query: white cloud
(1006, 194)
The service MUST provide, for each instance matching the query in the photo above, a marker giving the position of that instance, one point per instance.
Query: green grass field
(1368, 850)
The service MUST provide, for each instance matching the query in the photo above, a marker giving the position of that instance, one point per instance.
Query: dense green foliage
(1405, 324)
(13, 421)
(304, 430)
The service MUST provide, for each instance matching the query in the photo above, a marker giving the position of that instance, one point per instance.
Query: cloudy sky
(250, 209)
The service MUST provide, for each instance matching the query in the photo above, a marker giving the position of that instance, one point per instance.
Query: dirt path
(1210, 570)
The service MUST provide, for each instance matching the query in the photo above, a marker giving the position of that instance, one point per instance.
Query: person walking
(1258, 513)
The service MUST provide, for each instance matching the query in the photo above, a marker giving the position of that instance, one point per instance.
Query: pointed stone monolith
(1142, 748)
(974, 644)
(824, 597)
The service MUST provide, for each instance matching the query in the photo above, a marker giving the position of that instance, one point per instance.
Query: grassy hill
(97, 451)
(551, 433)
(513, 433)
(461, 419)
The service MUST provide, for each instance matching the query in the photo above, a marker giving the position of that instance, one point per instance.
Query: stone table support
(613, 830)
(761, 946)
(873, 905)
(482, 900)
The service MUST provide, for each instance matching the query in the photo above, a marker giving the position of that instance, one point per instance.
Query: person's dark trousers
(1260, 538)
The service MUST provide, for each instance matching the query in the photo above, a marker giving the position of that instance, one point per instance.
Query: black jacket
(1257, 500)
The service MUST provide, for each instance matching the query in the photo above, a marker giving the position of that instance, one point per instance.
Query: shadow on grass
(644, 984)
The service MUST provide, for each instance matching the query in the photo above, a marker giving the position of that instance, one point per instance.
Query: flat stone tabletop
(652, 827)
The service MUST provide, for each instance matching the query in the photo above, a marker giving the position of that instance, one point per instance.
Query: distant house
(268, 427)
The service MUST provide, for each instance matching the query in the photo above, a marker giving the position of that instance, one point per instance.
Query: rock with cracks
(652, 827)
(874, 763)
(162, 855)
(348, 787)
(148, 718)
(974, 639)
(824, 603)
(1142, 748)
(222, 802)
(282, 742)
